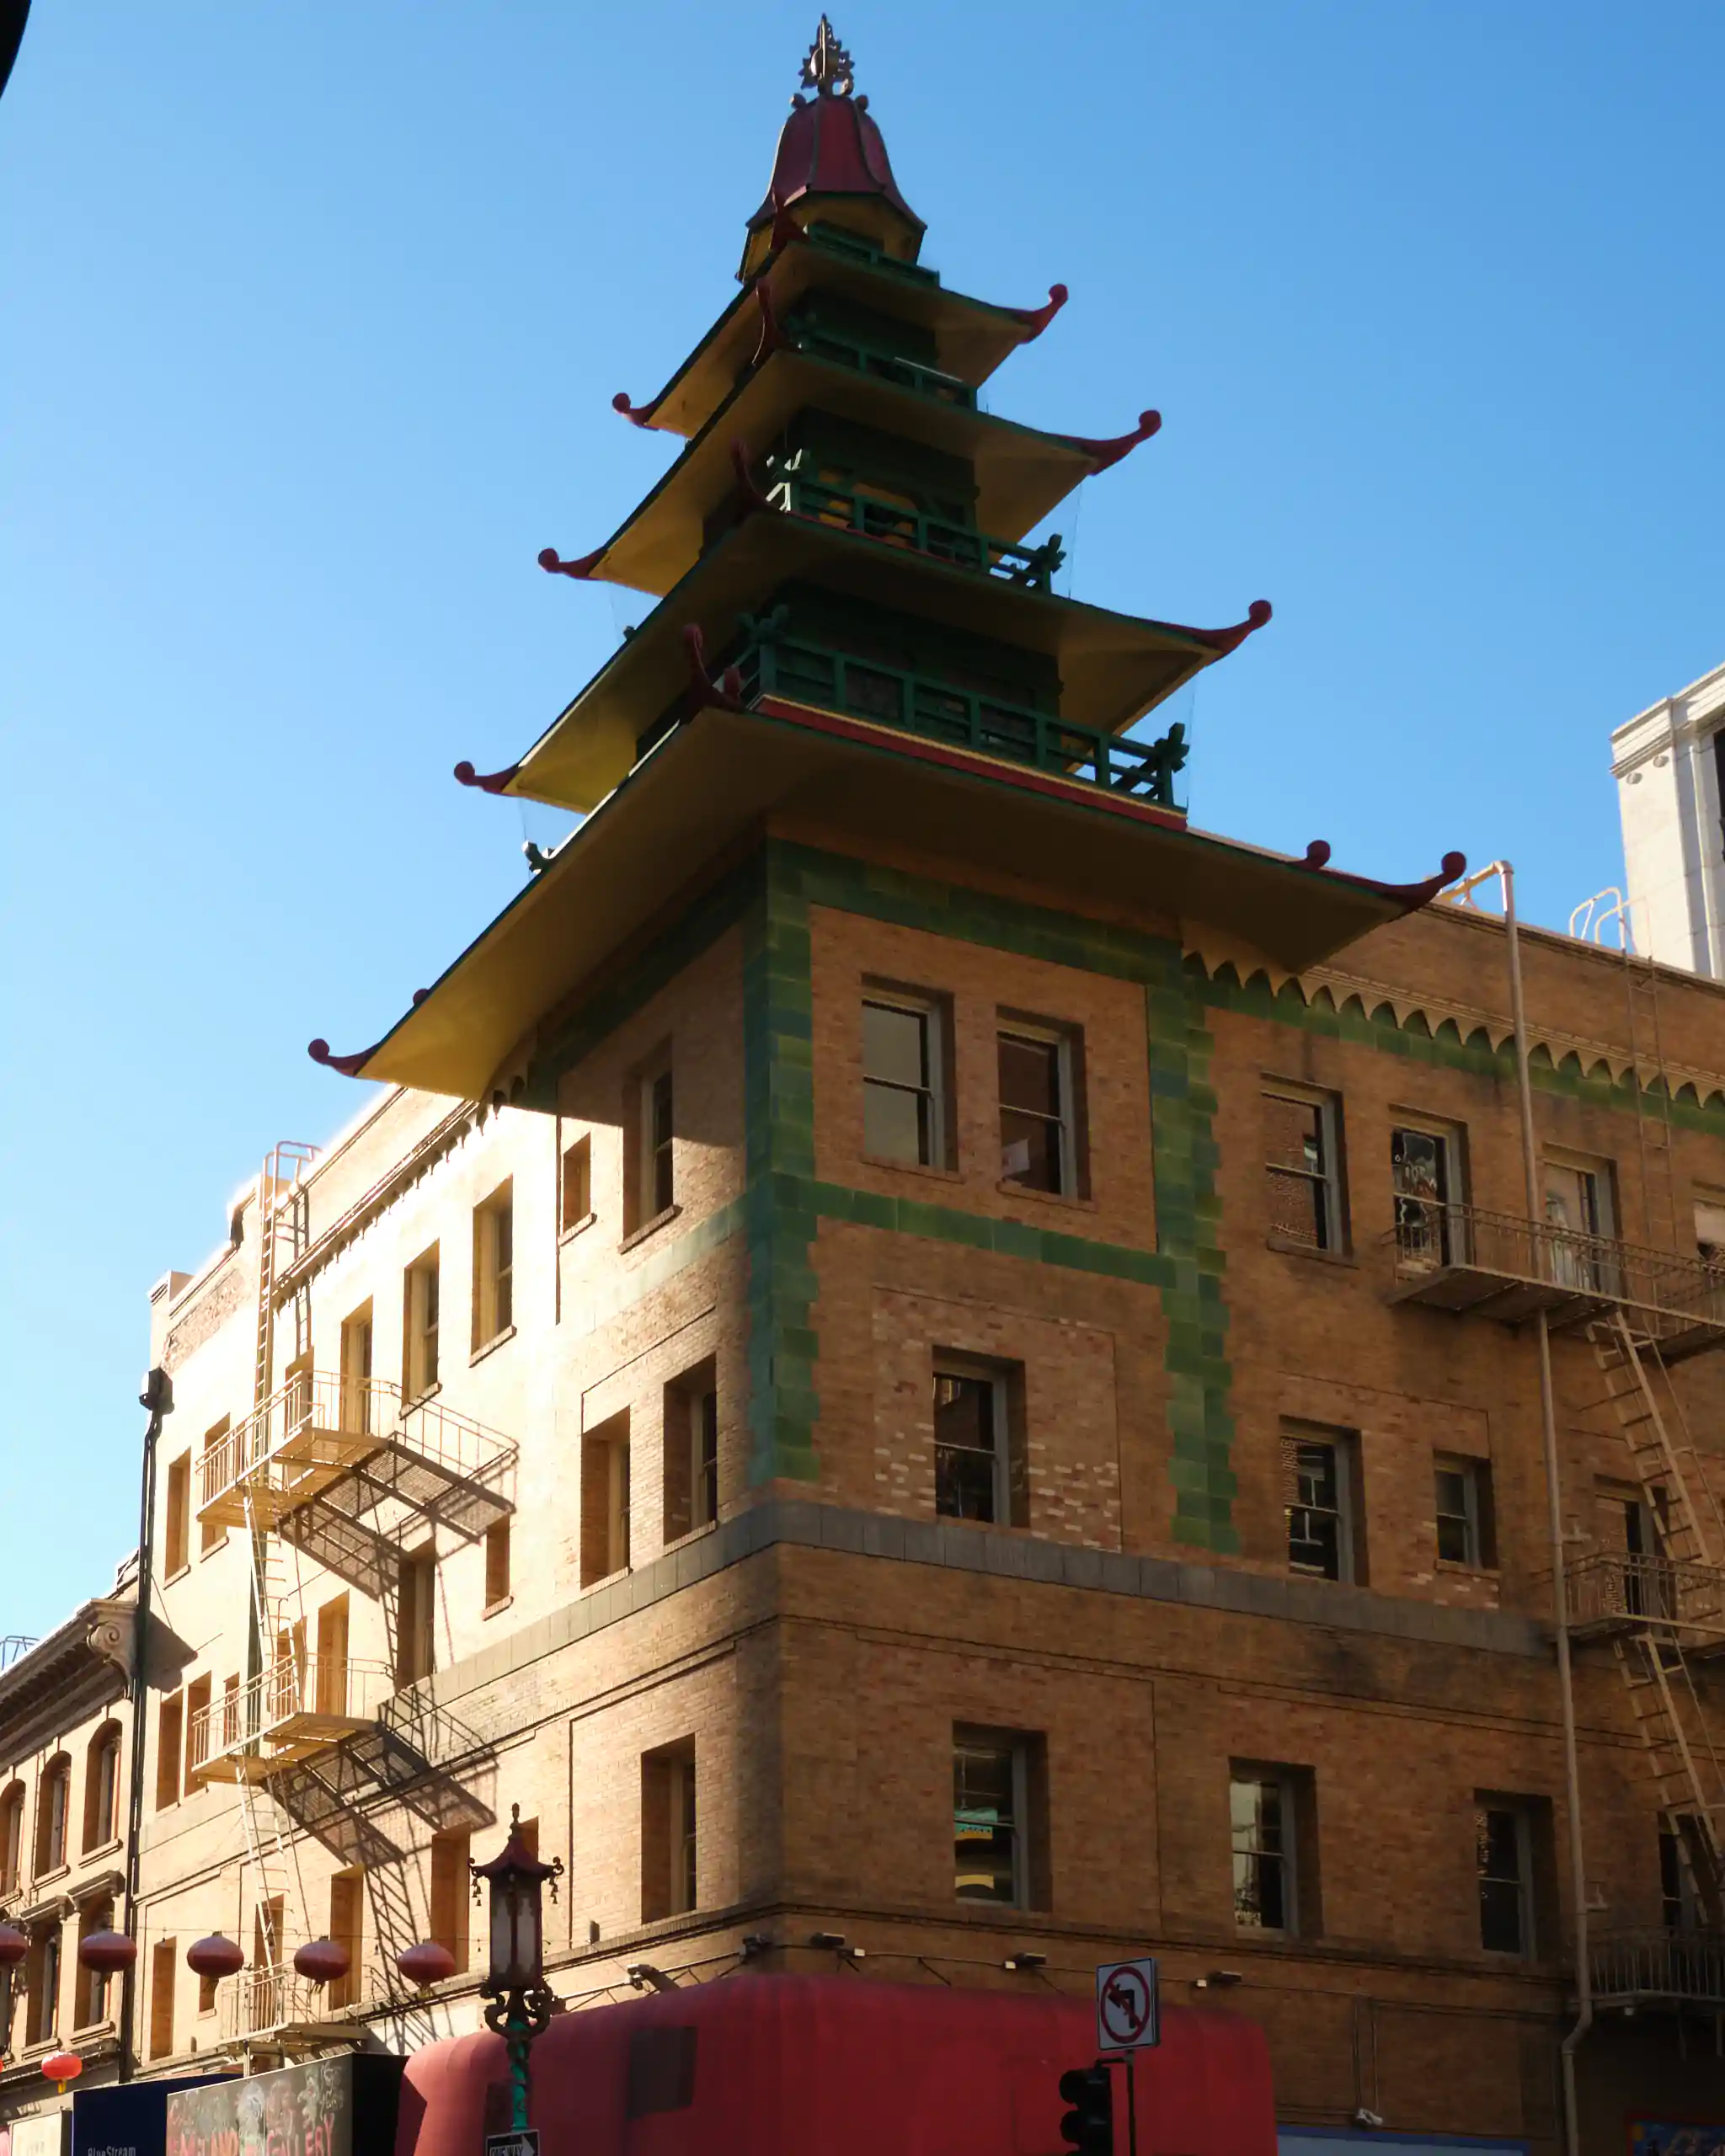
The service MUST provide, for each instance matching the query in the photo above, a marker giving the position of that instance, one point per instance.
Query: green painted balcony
(1031, 568)
(821, 342)
(772, 663)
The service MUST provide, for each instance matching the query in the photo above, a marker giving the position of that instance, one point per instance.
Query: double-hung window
(1263, 1815)
(1301, 1159)
(658, 1181)
(1319, 1474)
(904, 1107)
(1461, 1490)
(1502, 1850)
(421, 1296)
(493, 1267)
(1039, 1128)
(971, 1444)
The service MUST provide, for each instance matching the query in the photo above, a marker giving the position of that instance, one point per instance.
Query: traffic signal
(1089, 2127)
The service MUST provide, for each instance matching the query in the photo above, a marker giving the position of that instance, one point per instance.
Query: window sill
(47, 1878)
(910, 1167)
(491, 1346)
(93, 2032)
(576, 1228)
(409, 1402)
(1009, 1189)
(649, 1228)
(209, 1549)
(691, 1534)
(496, 1609)
(1452, 1568)
(608, 1579)
(179, 1572)
(102, 1848)
(1290, 1248)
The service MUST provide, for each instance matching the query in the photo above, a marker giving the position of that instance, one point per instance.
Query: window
(497, 1587)
(1038, 1143)
(329, 1669)
(1462, 1490)
(1319, 1474)
(346, 1924)
(213, 1532)
(1301, 1155)
(177, 1541)
(1503, 1859)
(230, 1711)
(11, 1840)
(973, 1454)
(90, 2001)
(904, 1107)
(102, 1788)
(1422, 1174)
(494, 1266)
(1579, 1213)
(452, 1891)
(649, 1169)
(421, 1295)
(416, 1618)
(669, 1845)
(53, 1802)
(1265, 1809)
(605, 1500)
(989, 1795)
(207, 1993)
(356, 1371)
(1710, 1225)
(576, 1208)
(690, 1452)
(197, 1731)
(42, 1985)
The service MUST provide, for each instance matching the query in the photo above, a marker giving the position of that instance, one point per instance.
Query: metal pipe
(158, 1395)
(1554, 1504)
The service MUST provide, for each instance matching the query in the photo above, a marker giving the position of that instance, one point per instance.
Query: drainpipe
(158, 1395)
(1554, 1503)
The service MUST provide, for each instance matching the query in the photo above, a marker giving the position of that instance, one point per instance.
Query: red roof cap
(830, 146)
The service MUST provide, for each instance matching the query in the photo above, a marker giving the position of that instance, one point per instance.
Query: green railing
(820, 344)
(838, 241)
(772, 663)
(1030, 567)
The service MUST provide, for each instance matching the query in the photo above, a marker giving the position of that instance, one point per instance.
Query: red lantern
(108, 1952)
(13, 1945)
(214, 1956)
(323, 1960)
(427, 1963)
(61, 2066)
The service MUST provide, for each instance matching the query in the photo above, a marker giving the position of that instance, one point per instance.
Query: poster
(333, 2106)
(1675, 2138)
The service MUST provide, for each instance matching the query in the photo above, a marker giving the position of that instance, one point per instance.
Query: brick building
(936, 1371)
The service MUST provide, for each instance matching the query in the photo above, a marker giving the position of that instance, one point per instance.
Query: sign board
(339, 2107)
(524, 2142)
(126, 2118)
(46, 2133)
(1126, 2015)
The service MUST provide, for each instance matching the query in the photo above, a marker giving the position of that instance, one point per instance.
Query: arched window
(52, 1801)
(102, 1787)
(12, 1839)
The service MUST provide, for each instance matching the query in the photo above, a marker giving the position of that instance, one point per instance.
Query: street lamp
(519, 2000)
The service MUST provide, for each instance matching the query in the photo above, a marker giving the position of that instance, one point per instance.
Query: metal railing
(820, 343)
(294, 1688)
(1614, 1588)
(258, 2002)
(1668, 1967)
(838, 241)
(1431, 1235)
(353, 1409)
(1031, 568)
(14, 1646)
(774, 664)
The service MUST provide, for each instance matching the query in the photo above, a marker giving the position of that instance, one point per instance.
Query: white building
(1669, 765)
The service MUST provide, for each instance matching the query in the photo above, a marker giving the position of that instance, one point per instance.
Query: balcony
(301, 1704)
(278, 2003)
(1499, 1265)
(1032, 568)
(777, 665)
(1655, 1968)
(1612, 1594)
(822, 343)
(319, 1431)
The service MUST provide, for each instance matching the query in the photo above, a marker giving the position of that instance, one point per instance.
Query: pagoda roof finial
(828, 68)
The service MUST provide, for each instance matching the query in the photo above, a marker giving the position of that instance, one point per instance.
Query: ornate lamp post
(520, 2001)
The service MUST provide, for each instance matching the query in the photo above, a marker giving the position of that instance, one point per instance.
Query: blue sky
(313, 315)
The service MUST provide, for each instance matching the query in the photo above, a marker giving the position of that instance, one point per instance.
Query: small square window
(1301, 1162)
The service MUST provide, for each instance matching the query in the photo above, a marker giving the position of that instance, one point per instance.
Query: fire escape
(341, 1469)
(1657, 1604)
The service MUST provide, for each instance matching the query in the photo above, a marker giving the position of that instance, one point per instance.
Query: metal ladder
(1685, 1763)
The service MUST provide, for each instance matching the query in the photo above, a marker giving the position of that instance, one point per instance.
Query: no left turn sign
(1126, 2006)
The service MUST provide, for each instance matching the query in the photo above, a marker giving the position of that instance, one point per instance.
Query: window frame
(177, 1516)
(1414, 1240)
(574, 1182)
(494, 1268)
(655, 1201)
(1485, 1804)
(358, 1348)
(998, 1377)
(1245, 1773)
(1066, 1042)
(935, 1147)
(1475, 1516)
(1332, 1222)
(703, 1457)
(972, 1739)
(1344, 1445)
(422, 1301)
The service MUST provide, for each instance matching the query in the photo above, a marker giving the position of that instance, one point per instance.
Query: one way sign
(524, 2142)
